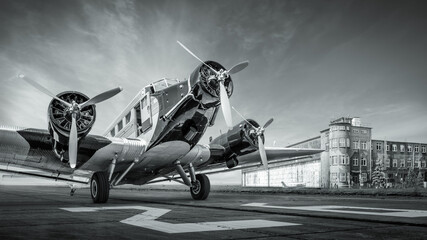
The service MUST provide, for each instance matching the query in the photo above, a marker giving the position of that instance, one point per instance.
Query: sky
(310, 61)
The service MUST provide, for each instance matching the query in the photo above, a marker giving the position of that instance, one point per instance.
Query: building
(349, 159)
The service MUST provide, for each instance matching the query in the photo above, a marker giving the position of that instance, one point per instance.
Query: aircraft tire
(99, 187)
(202, 187)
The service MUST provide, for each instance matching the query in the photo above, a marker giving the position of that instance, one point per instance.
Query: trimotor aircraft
(155, 138)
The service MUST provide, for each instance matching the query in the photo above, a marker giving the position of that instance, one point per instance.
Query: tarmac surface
(45, 212)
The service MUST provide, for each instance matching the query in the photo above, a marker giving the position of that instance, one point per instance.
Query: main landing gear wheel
(99, 187)
(201, 188)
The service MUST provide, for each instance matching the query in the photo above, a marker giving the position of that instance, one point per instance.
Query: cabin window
(120, 126)
(128, 118)
(113, 132)
(144, 102)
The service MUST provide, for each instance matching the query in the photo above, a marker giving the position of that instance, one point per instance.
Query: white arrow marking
(147, 219)
(352, 210)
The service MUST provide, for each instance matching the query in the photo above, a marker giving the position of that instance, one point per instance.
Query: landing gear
(99, 187)
(201, 187)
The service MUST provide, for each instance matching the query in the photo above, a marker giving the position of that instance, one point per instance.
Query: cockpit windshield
(164, 83)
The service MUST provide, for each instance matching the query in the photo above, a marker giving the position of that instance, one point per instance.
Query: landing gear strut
(99, 187)
(201, 187)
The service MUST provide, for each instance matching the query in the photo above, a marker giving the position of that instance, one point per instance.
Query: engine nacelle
(242, 139)
(60, 119)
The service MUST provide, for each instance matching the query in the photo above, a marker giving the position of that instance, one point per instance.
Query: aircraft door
(146, 114)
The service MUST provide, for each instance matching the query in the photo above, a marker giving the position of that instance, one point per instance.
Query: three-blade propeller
(259, 131)
(221, 75)
(73, 109)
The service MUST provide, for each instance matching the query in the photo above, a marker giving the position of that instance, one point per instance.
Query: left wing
(34, 149)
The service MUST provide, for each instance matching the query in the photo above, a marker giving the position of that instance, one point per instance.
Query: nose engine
(210, 81)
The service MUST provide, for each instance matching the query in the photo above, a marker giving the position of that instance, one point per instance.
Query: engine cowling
(242, 139)
(60, 119)
(208, 81)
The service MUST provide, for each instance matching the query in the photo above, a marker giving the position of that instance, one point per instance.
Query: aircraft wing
(218, 161)
(275, 153)
(33, 148)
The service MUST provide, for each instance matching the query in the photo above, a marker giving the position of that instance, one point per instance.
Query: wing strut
(181, 172)
(126, 172)
(112, 167)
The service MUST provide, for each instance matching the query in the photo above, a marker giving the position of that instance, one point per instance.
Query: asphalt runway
(41, 212)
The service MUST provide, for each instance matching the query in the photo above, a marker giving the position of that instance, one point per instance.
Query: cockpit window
(164, 83)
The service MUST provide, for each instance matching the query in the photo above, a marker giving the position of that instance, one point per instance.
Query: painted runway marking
(147, 219)
(408, 213)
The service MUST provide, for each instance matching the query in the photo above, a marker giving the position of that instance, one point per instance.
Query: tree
(378, 177)
(420, 179)
(411, 180)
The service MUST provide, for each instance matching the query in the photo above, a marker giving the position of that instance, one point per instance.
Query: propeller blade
(194, 55)
(238, 67)
(262, 152)
(42, 89)
(72, 144)
(225, 105)
(101, 97)
(243, 117)
(268, 123)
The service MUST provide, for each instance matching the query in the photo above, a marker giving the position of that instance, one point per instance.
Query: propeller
(73, 109)
(221, 75)
(42, 89)
(259, 131)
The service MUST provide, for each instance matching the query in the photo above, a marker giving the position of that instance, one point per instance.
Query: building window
(364, 145)
(394, 162)
(355, 144)
(343, 177)
(128, 118)
(113, 132)
(409, 163)
(388, 147)
(387, 162)
(120, 126)
(348, 142)
(416, 148)
(379, 146)
(416, 164)
(394, 148)
(355, 162)
(334, 176)
(334, 160)
(363, 162)
(342, 142)
(423, 164)
(423, 149)
(355, 130)
(409, 148)
(334, 143)
(363, 131)
(344, 160)
(402, 163)
(402, 148)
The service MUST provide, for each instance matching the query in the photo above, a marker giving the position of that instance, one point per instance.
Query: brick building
(350, 157)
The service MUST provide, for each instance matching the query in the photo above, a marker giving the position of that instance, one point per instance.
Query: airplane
(155, 138)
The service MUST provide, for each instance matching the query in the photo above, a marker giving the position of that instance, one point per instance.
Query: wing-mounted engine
(71, 116)
(60, 119)
(242, 139)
